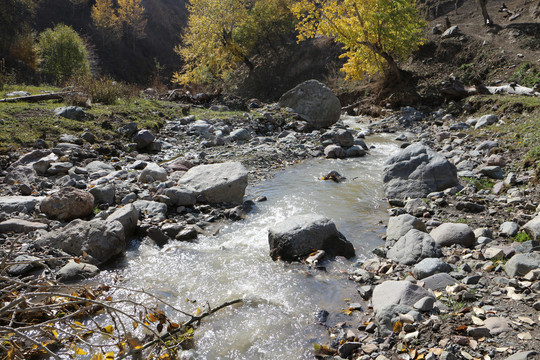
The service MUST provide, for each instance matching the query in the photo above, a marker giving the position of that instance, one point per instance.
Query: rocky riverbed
(458, 277)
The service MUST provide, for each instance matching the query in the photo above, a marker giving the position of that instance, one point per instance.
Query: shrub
(63, 53)
(104, 89)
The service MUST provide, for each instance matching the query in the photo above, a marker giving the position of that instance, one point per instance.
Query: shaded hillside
(131, 62)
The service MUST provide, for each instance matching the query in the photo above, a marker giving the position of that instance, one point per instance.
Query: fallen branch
(36, 98)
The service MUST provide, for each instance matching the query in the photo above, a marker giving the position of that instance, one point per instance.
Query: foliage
(223, 34)
(521, 237)
(480, 184)
(23, 49)
(103, 90)
(15, 16)
(127, 18)
(374, 33)
(527, 75)
(62, 52)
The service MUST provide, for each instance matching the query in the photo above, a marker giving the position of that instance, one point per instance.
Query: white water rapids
(276, 320)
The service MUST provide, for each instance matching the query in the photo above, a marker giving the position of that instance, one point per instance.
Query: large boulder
(180, 196)
(397, 292)
(67, 204)
(128, 217)
(218, 183)
(101, 240)
(449, 234)
(398, 226)
(152, 172)
(413, 247)
(21, 175)
(314, 102)
(38, 159)
(299, 235)
(430, 266)
(417, 171)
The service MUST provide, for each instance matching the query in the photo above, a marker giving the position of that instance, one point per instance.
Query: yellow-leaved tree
(221, 34)
(375, 34)
(125, 17)
(131, 15)
(105, 18)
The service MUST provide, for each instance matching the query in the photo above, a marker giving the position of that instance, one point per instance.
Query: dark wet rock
(417, 171)
(100, 240)
(218, 183)
(314, 102)
(414, 246)
(181, 196)
(449, 234)
(321, 316)
(334, 152)
(469, 206)
(26, 264)
(298, 236)
(144, 138)
(347, 348)
(67, 204)
(355, 151)
(157, 235)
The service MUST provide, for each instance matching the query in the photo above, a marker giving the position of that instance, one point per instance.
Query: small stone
(425, 304)
(525, 336)
(347, 349)
(369, 348)
(508, 229)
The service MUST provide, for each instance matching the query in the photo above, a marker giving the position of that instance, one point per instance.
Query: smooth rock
(103, 194)
(438, 281)
(497, 325)
(400, 225)
(128, 216)
(430, 266)
(181, 196)
(397, 293)
(143, 138)
(493, 172)
(425, 304)
(152, 172)
(67, 204)
(314, 102)
(509, 229)
(532, 228)
(449, 234)
(218, 183)
(14, 204)
(71, 112)
(417, 171)
(299, 235)
(521, 264)
(73, 271)
(334, 152)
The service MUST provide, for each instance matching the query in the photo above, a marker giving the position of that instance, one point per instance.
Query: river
(276, 319)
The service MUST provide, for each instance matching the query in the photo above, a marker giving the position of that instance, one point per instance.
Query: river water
(276, 319)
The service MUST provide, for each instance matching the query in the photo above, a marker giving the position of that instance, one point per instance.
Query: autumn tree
(15, 16)
(221, 34)
(126, 17)
(62, 53)
(375, 34)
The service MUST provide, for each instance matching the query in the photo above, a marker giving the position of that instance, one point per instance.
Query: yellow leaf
(108, 329)
(397, 326)
(317, 347)
(97, 356)
(80, 351)
(109, 356)
(55, 334)
(198, 312)
(135, 324)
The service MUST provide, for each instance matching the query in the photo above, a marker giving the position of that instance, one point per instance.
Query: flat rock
(218, 183)
(497, 325)
(27, 263)
(181, 196)
(299, 235)
(417, 171)
(128, 216)
(522, 355)
(20, 226)
(152, 172)
(67, 204)
(398, 226)
(438, 281)
(15, 204)
(448, 234)
(74, 271)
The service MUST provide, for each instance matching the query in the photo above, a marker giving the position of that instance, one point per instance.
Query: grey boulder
(128, 217)
(143, 138)
(100, 240)
(299, 235)
(71, 112)
(521, 264)
(414, 246)
(103, 194)
(14, 204)
(449, 234)
(218, 183)
(417, 171)
(397, 293)
(314, 102)
(532, 228)
(398, 226)
(430, 266)
(334, 152)
(180, 196)
(73, 271)
(152, 172)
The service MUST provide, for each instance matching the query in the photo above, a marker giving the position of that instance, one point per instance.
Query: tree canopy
(375, 33)
(221, 34)
(126, 17)
(62, 52)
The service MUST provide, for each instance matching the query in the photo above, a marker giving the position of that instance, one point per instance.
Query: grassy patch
(521, 237)
(527, 75)
(480, 184)
(34, 90)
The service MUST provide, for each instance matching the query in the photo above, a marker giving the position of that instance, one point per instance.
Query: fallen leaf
(108, 329)
(109, 356)
(397, 326)
(80, 351)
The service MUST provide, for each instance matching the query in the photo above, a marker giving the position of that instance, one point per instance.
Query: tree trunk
(487, 20)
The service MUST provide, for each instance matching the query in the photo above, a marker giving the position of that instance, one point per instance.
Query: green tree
(62, 53)
(222, 34)
(375, 33)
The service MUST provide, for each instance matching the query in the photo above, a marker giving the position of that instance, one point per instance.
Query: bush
(103, 90)
(63, 53)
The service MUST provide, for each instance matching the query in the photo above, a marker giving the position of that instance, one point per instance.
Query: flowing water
(276, 320)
